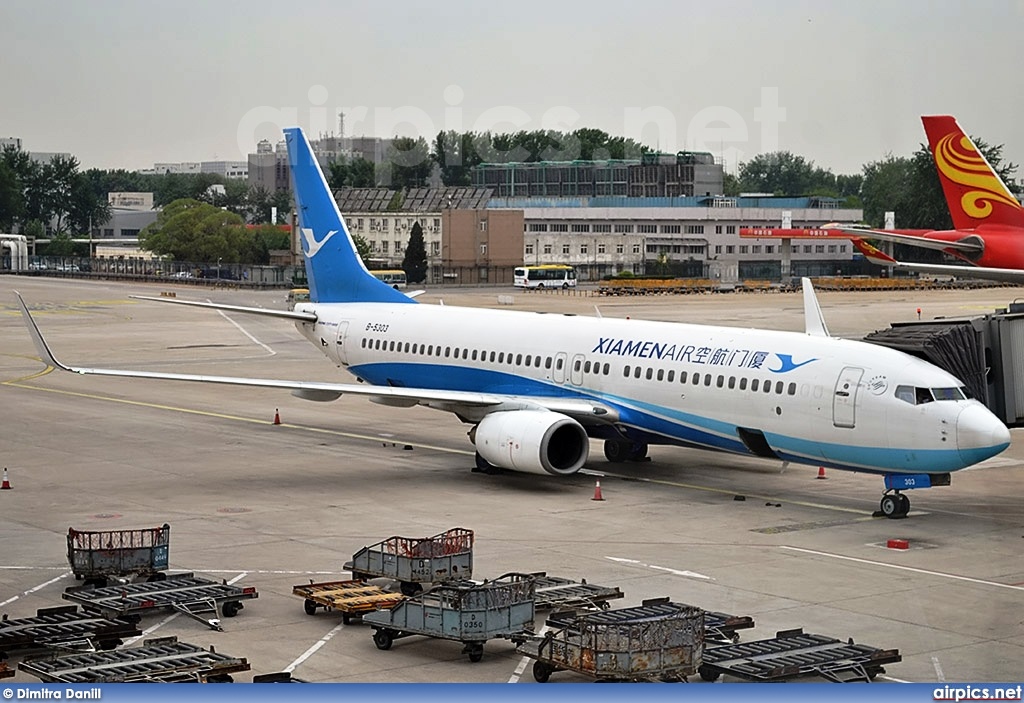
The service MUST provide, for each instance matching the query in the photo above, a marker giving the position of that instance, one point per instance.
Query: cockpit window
(920, 396)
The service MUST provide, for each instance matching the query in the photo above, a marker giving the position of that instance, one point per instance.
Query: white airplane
(538, 387)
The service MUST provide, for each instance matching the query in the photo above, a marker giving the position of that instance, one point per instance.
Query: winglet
(814, 321)
(45, 354)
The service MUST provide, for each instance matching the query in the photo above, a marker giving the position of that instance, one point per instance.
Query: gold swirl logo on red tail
(959, 161)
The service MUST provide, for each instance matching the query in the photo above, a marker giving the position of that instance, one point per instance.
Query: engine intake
(533, 441)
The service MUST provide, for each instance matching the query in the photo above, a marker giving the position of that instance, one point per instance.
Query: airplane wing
(981, 272)
(968, 245)
(468, 404)
(287, 314)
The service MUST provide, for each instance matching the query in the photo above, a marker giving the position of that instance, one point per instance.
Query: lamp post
(218, 267)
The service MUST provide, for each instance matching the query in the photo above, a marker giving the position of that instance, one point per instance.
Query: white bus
(545, 276)
(393, 277)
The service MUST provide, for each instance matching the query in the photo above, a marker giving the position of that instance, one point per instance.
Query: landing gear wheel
(894, 505)
(383, 639)
(484, 467)
(638, 451)
(475, 650)
(542, 672)
(309, 606)
(615, 450)
(410, 589)
(904, 505)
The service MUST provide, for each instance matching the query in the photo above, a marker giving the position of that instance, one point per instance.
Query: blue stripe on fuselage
(675, 425)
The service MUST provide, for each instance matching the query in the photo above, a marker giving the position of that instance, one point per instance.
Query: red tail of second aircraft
(974, 192)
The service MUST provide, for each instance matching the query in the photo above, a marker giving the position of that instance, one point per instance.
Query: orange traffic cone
(277, 417)
(597, 492)
(6, 485)
(821, 472)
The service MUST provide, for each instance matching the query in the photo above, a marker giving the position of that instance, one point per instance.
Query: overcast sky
(126, 83)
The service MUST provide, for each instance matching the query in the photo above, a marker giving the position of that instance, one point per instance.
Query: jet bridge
(986, 353)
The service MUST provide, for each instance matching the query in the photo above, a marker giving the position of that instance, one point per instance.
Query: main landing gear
(617, 450)
(894, 505)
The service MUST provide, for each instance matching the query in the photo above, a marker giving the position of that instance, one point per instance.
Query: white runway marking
(939, 676)
(912, 569)
(677, 572)
(34, 589)
(525, 661)
(312, 650)
(241, 329)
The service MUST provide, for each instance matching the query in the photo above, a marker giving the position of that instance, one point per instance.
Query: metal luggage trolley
(792, 654)
(99, 556)
(160, 660)
(465, 612)
(350, 598)
(63, 627)
(553, 592)
(189, 594)
(659, 640)
(415, 561)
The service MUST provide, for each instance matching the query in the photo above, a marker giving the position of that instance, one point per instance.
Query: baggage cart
(659, 640)
(351, 598)
(465, 612)
(160, 660)
(792, 654)
(99, 556)
(723, 627)
(196, 597)
(554, 592)
(63, 627)
(6, 672)
(415, 561)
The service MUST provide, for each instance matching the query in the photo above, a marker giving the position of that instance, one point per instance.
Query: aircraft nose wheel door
(844, 402)
(339, 347)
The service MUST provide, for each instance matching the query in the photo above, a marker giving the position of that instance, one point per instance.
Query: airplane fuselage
(814, 400)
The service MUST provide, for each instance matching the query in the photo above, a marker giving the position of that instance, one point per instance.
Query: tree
(885, 187)
(189, 230)
(58, 181)
(88, 206)
(363, 247)
(415, 261)
(354, 173)
(778, 172)
(730, 185)
(409, 160)
(12, 204)
(256, 243)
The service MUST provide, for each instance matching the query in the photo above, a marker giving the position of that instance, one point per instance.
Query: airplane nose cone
(980, 434)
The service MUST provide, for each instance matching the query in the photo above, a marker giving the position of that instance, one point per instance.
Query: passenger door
(576, 370)
(558, 373)
(844, 401)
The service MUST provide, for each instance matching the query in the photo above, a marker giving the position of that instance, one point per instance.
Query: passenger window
(708, 379)
(519, 361)
(755, 384)
(743, 383)
(536, 361)
(792, 389)
(661, 374)
(558, 364)
(721, 381)
(636, 372)
(732, 382)
(778, 387)
(547, 362)
(682, 377)
(474, 355)
(671, 375)
(492, 357)
(406, 347)
(767, 387)
(447, 352)
(465, 353)
(696, 379)
(607, 369)
(650, 373)
(586, 366)
(625, 371)
(501, 358)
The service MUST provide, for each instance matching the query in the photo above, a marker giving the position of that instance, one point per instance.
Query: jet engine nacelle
(534, 441)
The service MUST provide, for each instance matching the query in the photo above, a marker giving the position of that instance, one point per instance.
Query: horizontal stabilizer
(287, 314)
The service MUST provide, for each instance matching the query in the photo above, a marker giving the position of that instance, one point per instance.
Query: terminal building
(469, 234)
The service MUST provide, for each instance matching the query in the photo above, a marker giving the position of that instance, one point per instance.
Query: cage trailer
(416, 561)
(465, 612)
(98, 556)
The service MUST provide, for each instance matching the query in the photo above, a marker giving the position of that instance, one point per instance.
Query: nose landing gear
(895, 505)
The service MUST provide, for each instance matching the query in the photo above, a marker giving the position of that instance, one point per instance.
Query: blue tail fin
(336, 273)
